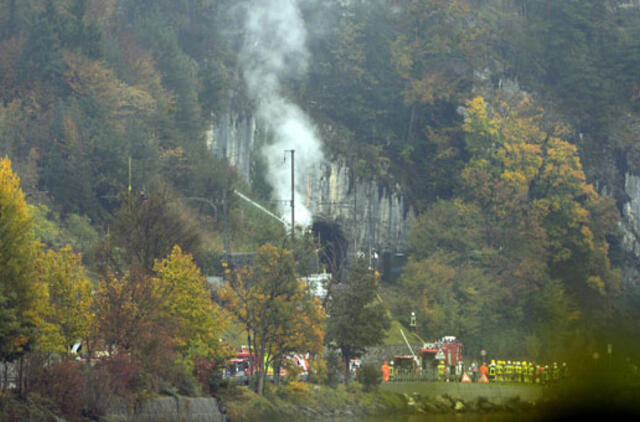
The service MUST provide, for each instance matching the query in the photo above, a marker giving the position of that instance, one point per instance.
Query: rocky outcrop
(445, 403)
(630, 226)
(371, 216)
(233, 135)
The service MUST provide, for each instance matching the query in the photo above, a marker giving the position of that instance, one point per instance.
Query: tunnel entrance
(333, 243)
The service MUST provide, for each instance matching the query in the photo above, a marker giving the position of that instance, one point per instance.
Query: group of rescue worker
(526, 372)
(497, 371)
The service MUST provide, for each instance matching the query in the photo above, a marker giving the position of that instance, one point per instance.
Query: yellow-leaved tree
(17, 252)
(19, 293)
(535, 197)
(67, 316)
(185, 299)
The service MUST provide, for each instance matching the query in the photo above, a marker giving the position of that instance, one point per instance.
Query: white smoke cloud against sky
(274, 49)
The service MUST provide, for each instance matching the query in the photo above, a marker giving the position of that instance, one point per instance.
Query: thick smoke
(275, 50)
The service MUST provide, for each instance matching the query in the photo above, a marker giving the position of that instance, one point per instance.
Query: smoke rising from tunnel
(273, 51)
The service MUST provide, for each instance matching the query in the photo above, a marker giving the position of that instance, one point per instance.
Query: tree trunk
(21, 376)
(261, 373)
(412, 119)
(5, 376)
(261, 367)
(252, 351)
(347, 373)
(276, 371)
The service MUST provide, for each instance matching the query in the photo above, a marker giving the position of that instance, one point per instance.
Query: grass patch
(395, 337)
(303, 401)
(467, 391)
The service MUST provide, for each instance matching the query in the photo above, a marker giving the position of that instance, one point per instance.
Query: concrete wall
(170, 409)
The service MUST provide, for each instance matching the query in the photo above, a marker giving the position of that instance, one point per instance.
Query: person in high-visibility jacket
(441, 371)
(531, 373)
(484, 371)
(555, 373)
(391, 371)
(546, 374)
(492, 371)
(508, 370)
(500, 371)
(413, 322)
(385, 371)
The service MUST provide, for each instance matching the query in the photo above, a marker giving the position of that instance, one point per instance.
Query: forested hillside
(503, 122)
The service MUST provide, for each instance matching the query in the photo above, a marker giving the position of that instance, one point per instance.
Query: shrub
(64, 384)
(297, 391)
(99, 394)
(369, 376)
(318, 371)
(335, 368)
(292, 369)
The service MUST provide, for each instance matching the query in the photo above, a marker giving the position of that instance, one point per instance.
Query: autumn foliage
(277, 310)
(519, 262)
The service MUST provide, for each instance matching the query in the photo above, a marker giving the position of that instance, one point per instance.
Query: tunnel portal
(333, 242)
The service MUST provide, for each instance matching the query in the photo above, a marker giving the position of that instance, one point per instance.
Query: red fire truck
(447, 349)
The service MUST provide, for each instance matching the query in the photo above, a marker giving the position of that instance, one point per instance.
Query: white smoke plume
(275, 50)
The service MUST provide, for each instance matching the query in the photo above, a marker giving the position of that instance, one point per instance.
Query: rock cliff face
(615, 170)
(372, 217)
(369, 215)
(630, 226)
(233, 135)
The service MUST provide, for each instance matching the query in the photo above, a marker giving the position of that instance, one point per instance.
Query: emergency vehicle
(447, 349)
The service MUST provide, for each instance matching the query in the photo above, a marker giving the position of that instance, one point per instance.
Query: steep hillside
(495, 140)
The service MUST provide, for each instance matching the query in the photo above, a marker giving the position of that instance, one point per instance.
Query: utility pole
(225, 224)
(293, 192)
(130, 204)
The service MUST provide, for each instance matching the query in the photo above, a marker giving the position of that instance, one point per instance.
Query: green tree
(357, 319)
(452, 294)
(148, 227)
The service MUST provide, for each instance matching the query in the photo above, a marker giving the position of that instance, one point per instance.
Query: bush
(17, 409)
(334, 367)
(370, 377)
(100, 395)
(296, 391)
(205, 372)
(354, 387)
(318, 371)
(292, 369)
(64, 384)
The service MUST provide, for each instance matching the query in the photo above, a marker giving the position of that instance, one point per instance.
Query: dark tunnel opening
(334, 245)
